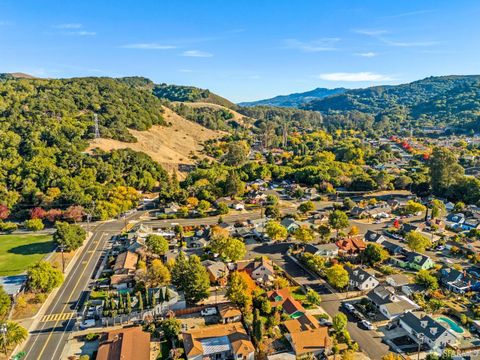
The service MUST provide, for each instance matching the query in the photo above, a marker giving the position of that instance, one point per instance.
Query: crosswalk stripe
(57, 317)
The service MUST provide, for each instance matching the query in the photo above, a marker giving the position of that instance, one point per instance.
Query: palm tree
(15, 334)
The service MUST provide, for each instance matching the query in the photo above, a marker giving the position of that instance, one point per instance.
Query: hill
(171, 146)
(190, 94)
(295, 99)
(444, 100)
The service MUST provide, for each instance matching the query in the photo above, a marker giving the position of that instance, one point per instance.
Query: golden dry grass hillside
(170, 146)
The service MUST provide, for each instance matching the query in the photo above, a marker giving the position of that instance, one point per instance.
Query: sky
(245, 49)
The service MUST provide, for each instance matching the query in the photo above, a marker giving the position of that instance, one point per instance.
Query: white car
(208, 311)
(348, 306)
(87, 324)
(367, 324)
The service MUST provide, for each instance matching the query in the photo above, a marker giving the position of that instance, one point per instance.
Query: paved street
(48, 339)
(369, 341)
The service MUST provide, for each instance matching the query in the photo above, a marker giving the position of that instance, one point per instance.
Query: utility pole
(62, 249)
(97, 130)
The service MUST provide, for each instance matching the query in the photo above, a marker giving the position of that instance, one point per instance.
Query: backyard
(19, 252)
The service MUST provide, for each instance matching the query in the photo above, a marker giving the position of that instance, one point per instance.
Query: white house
(360, 279)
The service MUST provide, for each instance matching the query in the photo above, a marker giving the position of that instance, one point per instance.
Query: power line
(97, 130)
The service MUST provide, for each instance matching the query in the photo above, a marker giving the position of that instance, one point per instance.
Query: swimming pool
(453, 325)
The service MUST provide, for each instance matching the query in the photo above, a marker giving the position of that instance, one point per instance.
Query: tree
(375, 253)
(324, 232)
(313, 297)
(276, 231)
(413, 207)
(231, 249)
(348, 203)
(306, 207)
(156, 244)
(233, 185)
(140, 300)
(15, 334)
(5, 303)
(304, 234)
(203, 205)
(191, 277)
(223, 208)
(444, 170)
(272, 211)
(43, 277)
(354, 231)
(403, 182)
(171, 327)
(392, 356)
(71, 236)
(74, 213)
(237, 153)
(337, 276)
(417, 241)
(237, 290)
(258, 327)
(438, 208)
(340, 323)
(37, 213)
(4, 212)
(158, 274)
(424, 277)
(34, 224)
(338, 220)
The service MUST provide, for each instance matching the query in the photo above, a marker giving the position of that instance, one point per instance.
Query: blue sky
(243, 50)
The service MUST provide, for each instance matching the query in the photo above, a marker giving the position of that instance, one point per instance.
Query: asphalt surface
(47, 340)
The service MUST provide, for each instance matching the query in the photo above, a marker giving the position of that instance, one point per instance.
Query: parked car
(87, 324)
(325, 322)
(348, 307)
(367, 324)
(208, 311)
(358, 314)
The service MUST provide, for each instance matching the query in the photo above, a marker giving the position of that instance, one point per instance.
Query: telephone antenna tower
(97, 131)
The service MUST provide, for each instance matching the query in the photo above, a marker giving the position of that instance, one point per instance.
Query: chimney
(424, 323)
(433, 330)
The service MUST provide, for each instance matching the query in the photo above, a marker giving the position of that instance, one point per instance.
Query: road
(369, 341)
(47, 340)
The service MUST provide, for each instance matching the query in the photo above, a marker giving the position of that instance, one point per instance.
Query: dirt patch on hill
(170, 146)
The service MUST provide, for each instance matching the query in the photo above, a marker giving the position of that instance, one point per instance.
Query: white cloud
(82, 33)
(196, 53)
(149, 46)
(325, 44)
(367, 54)
(409, 43)
(68, 26)
(371, 32)
(355, 77)
(410, 13)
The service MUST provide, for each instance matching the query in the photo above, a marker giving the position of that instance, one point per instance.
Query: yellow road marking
(58, 317)
(68, 301)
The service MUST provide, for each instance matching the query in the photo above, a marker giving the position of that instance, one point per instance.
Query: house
(229, 313)
(222, 341)
(458, 281)
(397, 280)
(171, 208)
(410, 289)
(217, 271)
(350, 246)
(359, 212)
(125, 344)
(326, 250)
(409, 227)
(259, 270)
(392, 248)
(238, 205)
(283, 298)
(426, 330)
(124, 270)
(449, 206)
(310, 193)
(390, 304)
(360, 279)
(290, 224)
(414, 261)
(307, 336)
(195, 242)
(373, 236)
(126, 263)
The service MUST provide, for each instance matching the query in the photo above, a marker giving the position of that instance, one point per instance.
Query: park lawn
(19, 252)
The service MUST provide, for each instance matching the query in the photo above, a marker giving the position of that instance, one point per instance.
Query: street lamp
(3, 331)
(420, 343)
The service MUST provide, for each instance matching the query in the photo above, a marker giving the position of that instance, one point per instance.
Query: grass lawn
(19, 252)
